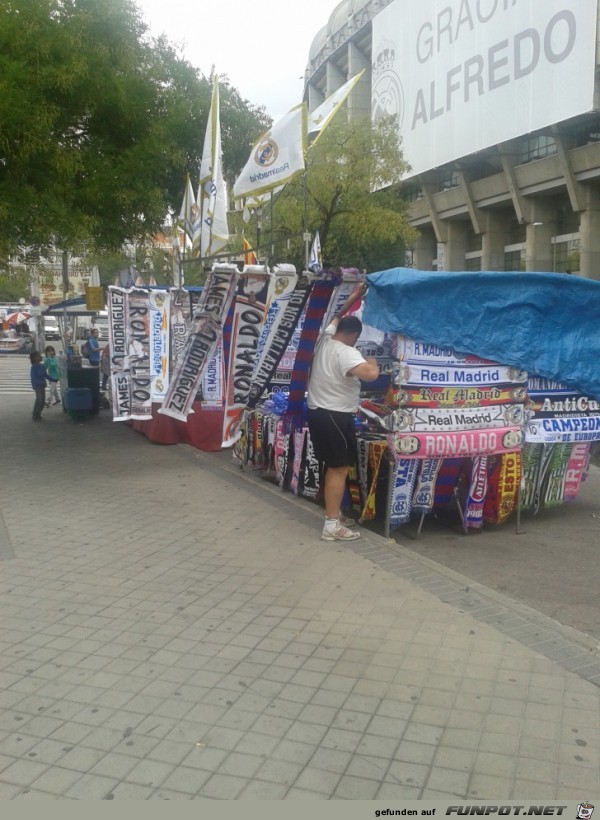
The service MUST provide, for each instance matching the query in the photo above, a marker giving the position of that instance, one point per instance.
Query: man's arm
(357, 294)
(367, 371)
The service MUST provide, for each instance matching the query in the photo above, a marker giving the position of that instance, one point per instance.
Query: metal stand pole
(388, 506)
(518, 530)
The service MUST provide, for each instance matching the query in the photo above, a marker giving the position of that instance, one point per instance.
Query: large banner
(463, 75)
(129, 339)
(207, 329)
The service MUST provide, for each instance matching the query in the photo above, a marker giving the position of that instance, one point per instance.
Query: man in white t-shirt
(333, 396)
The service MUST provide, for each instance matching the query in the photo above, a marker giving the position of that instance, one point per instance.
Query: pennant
(187, 214)
(212, 191)
(249, 255)
(315, 260)
(320, 118)
(277, 156)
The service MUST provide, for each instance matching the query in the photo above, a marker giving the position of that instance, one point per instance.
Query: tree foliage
(352, 198)
(99, 124)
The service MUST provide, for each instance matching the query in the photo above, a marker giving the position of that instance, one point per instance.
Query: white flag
(321, 116)
(277, 156)
(212, 192)
(188, 207)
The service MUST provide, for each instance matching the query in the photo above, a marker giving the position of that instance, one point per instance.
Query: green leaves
(99, 124)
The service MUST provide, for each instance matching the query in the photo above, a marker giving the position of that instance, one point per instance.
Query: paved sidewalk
(172, 629)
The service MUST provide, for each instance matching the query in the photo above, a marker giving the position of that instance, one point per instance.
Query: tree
(98, 124)
(352, 198)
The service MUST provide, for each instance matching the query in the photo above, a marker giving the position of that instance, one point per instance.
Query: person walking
(38, 382)
(105, 366)
(52, 375)
(333, 396)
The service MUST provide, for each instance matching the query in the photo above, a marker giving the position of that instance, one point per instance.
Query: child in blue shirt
(38, 382)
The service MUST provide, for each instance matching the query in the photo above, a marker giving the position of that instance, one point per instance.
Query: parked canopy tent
(545, 323)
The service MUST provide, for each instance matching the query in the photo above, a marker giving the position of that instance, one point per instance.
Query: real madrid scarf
(473, 515)
(423, 497)
(461, 396)
(315, 309)
(403, 480)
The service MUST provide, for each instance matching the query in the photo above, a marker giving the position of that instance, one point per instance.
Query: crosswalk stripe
(14, 375)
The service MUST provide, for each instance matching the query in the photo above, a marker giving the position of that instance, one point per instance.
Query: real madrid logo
(388, 95)
(266, 152)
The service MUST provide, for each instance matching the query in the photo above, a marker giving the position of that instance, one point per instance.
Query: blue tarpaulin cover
(545, 323)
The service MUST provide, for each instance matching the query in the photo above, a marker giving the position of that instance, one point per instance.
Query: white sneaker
(339, 533)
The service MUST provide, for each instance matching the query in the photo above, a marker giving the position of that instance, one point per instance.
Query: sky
(262, 46)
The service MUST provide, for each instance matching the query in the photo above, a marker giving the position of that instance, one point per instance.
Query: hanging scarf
(423, 497)
(531, 456)
(376, 451)
(553, 494)
(460, 396)
(315, 310)
(545, 460)
(403, 482)
(299, 446)
(448, 476)
(278, 341)
(445, 445)
(504, 477)
(473, 515)
(312, 479)
(457, 419)
(353, 489)
(363, 467)
(576, 468)
(413, 352)
(422, 374)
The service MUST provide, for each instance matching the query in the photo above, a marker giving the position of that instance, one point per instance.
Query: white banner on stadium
(466, 74)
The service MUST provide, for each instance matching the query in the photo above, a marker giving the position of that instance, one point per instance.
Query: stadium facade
(499, 113)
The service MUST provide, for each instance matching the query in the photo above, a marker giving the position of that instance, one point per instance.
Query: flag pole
(306, 234)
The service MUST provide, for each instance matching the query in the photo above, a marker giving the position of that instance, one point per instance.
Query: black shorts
(333, 436)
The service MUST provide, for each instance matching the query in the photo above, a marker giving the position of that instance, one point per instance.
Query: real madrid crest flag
(277, 156)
